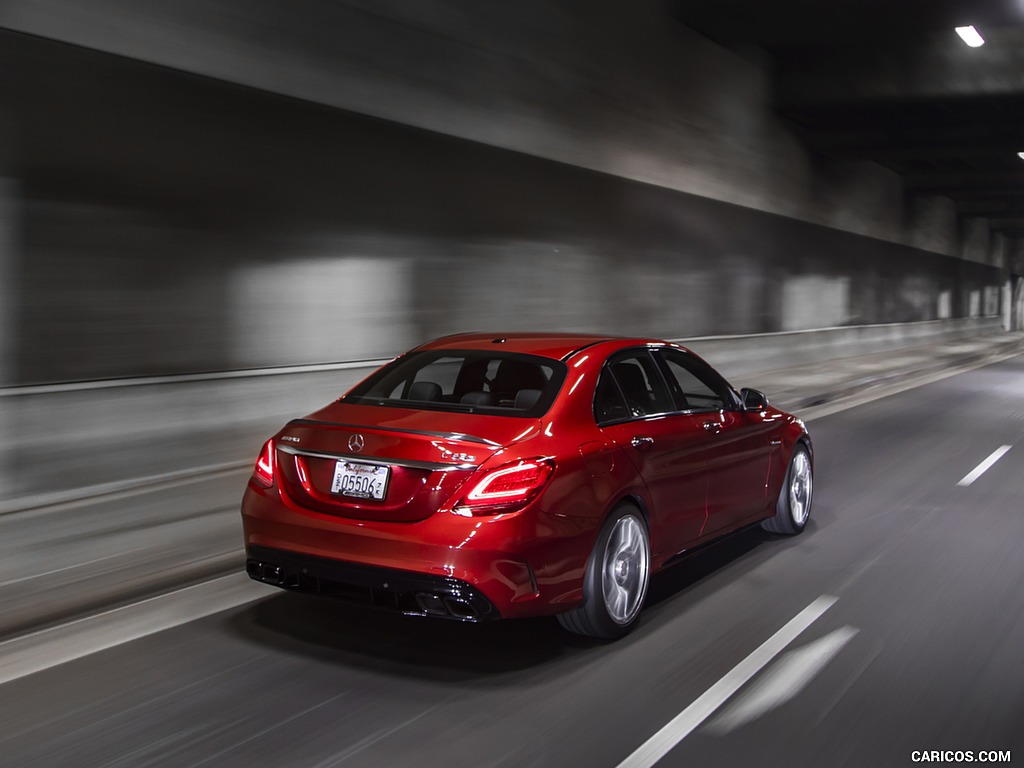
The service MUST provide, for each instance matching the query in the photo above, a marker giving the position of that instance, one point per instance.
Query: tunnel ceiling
(891, 82)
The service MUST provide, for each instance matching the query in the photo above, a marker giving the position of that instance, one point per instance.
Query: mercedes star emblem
(355, 443)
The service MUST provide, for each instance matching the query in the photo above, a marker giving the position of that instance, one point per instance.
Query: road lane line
(982, 468)
(874, 650)
(783, 682)
(677, 729)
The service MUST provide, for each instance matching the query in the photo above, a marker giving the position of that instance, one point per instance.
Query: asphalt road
(894, 624)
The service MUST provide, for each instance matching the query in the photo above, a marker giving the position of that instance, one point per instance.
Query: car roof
(553, 345)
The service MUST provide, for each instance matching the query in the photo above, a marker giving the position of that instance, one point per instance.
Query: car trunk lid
(387, 464)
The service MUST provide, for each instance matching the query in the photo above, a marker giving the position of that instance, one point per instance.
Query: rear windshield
(464, 381)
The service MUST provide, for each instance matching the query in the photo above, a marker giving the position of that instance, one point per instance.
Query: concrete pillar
(9, 247)
(1014, 264)
(10, 255)
(1017, 322)
(1005, 305)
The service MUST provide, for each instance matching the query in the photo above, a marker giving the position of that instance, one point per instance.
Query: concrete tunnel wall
(629, 92)
(210, 186)
(174, 223)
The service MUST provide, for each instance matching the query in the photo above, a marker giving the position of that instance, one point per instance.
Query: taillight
(507, 487)
(264, 471)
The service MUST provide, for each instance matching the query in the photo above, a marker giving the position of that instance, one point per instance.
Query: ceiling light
(970, 36)
(1020, 155)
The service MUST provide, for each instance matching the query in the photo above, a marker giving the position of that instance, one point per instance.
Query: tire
(616, 579)
(794, 505)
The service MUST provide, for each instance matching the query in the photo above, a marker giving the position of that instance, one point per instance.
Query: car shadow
(693, 569)
(737, 554)
(451, 651)
(433, 649)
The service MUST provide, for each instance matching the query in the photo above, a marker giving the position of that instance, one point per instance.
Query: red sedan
(481, 476)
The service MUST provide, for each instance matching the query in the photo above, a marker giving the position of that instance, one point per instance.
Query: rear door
(635, 410)
(737, 441)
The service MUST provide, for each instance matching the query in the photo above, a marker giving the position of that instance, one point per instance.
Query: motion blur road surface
(920, 650)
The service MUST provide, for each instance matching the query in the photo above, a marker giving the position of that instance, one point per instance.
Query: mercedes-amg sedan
(485, 476)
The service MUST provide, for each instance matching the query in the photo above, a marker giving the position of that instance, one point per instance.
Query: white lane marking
(47, 648)
(824, 710)
(982, 468)
(782, 682)
(677, 729)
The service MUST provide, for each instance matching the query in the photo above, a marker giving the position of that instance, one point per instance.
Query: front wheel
(615, 583)
(794, 504)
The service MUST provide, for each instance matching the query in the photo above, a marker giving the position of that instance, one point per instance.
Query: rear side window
(609, 405)
(631, 386)
(470, 381)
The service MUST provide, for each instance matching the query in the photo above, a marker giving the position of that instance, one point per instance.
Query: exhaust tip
(431, 604)
(460, 608)
(266, 572)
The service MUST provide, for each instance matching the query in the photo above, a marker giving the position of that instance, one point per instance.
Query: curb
(135, 485)
(153, 586)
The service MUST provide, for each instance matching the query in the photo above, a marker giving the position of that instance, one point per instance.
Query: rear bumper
(506, 566)
(407, 592)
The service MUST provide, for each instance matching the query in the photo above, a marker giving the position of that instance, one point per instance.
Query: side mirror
(753, 399)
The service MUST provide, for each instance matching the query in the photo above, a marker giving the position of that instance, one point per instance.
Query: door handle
(713, 426)
(642, 442)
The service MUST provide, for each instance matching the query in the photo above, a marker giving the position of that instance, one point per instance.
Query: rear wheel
(615, 582)
(794, 504)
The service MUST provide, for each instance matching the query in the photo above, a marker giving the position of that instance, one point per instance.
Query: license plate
(361, 481)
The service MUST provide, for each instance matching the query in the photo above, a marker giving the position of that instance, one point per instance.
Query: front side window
(696, 387)
(468, 381)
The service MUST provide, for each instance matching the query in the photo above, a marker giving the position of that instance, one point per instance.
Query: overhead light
(970, 36)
